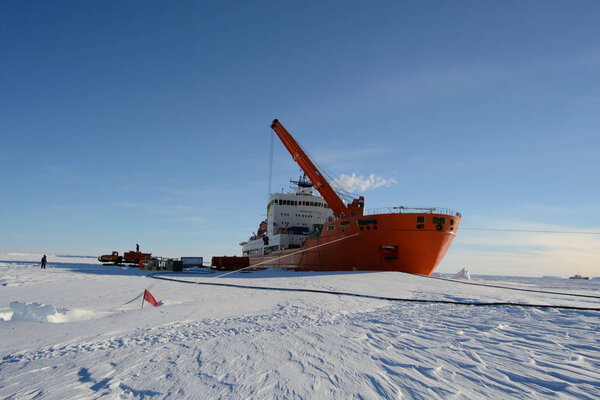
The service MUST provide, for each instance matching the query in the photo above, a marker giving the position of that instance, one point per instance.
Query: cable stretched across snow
(160, 275)
(589, 296)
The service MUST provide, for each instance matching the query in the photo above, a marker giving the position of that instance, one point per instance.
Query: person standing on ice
(44, 262)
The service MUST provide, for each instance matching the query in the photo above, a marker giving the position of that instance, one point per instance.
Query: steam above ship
(305, 231)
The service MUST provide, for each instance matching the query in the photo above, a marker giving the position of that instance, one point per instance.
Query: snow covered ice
(462, 274)
(77, 330)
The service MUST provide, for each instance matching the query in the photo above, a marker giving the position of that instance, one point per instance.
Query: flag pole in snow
(149, 298)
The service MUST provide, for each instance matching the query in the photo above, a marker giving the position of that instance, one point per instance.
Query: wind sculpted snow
(219, 342)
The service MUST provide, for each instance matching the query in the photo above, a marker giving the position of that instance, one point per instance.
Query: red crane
(340, 210)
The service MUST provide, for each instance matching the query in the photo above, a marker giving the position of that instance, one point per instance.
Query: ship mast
(338, 207)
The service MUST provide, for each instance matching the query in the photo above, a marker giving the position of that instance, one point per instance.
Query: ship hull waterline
(395, 242)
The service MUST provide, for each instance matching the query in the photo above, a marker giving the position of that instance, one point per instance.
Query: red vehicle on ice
(129, 257)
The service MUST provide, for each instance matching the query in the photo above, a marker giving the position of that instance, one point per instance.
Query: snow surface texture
(220, 342)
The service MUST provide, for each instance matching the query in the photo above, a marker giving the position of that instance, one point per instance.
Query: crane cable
(272, 135)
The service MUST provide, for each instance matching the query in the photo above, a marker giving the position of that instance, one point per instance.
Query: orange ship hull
(407, 242)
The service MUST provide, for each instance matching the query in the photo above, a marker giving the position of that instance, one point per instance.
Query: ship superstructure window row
(283, 202)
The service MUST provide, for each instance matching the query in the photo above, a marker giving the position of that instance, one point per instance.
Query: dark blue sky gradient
(125, 122)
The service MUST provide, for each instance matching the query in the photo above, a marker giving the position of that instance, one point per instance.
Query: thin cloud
(360, 183)
(525, 253)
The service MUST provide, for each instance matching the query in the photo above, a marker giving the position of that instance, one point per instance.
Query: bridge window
(439, 220)
(368, 221)
(420, 219)
(330, 227)
(344, 224)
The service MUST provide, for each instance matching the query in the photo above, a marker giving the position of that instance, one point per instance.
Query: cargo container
(230, 263)
(192, 262)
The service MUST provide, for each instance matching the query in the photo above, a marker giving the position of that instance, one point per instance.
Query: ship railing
(405, 209)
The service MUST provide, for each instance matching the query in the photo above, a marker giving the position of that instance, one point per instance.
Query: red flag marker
(149, 298)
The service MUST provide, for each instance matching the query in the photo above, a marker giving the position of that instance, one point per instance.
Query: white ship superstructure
(291, 218)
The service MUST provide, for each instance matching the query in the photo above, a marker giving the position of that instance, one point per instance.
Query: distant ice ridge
(36, 257)
(462, 274)
(46, 313)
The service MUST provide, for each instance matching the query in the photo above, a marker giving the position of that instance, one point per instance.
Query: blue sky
(148, 122)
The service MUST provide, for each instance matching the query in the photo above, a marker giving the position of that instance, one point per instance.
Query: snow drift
(47, 313)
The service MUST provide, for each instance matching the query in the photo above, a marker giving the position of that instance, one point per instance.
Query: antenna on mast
(302, 182)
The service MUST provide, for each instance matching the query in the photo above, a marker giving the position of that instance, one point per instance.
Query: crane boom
(320, 183)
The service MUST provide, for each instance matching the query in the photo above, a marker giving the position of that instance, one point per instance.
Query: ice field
(77, 330)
